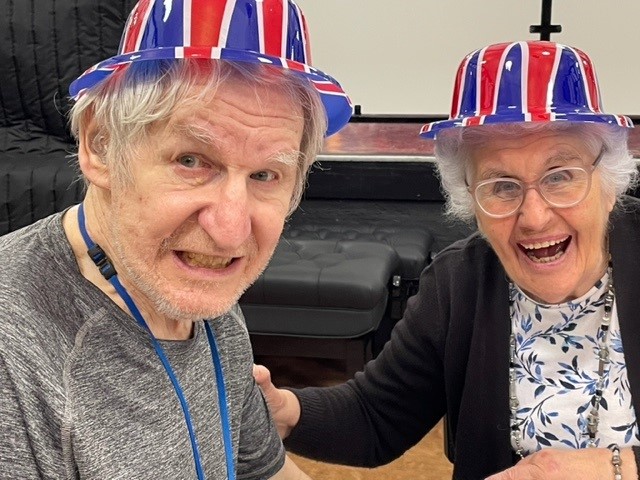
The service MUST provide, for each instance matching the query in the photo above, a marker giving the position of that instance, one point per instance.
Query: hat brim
(431, 130)
(336, 103)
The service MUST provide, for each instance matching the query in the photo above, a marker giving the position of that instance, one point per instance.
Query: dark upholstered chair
(45, 45)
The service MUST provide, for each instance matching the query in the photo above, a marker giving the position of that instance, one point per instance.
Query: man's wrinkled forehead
(202, 132)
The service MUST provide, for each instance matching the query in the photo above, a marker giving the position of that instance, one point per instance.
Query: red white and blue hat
(534, 81)
(271, 32)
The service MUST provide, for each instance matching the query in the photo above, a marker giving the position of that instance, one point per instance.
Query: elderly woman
(525, 334)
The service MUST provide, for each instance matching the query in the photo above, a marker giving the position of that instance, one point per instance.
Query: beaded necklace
(593, 417)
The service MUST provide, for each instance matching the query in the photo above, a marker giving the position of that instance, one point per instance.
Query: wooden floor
(425, 461)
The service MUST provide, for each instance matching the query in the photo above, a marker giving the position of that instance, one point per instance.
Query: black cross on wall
(545, 29)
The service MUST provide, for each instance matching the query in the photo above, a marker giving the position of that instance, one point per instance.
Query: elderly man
(194, 142)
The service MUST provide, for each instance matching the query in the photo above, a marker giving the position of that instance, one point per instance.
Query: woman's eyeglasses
(560, 187)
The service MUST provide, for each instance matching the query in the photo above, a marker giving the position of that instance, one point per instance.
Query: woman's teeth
(546, 252)
(533, 257)
(551, 243)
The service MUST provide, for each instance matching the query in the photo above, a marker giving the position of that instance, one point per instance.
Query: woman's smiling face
(553, 254)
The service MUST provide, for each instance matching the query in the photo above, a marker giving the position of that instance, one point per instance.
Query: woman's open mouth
(545, 252)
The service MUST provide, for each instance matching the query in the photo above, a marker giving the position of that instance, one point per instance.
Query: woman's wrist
(616, 462)
(628, 468)
(633, 462)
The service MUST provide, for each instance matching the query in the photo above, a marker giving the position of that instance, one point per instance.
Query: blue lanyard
(108, 271)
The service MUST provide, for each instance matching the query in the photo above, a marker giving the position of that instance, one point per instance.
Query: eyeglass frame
(535, 184)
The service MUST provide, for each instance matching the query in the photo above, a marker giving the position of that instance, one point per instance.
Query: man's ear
(92, 155)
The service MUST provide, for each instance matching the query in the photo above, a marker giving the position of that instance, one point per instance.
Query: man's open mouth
(204, 261)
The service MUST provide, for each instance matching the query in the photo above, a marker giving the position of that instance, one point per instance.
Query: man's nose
(227, 217)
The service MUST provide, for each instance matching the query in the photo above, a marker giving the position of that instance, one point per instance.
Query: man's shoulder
(25, 246)
(35, 277)
(230, 322)
(230, 330)
(33, 260)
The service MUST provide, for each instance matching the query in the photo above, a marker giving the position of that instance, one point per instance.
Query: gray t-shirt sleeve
(259, 440)
(16, 455)
(260, 453)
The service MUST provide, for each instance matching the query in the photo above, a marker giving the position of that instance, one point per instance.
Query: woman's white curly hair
(453, 148)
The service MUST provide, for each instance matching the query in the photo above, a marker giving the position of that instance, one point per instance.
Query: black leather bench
(322, 289)
(338, 281)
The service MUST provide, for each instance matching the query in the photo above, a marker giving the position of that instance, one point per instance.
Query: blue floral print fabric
(556, 361)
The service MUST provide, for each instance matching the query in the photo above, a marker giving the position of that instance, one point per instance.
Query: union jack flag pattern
(270, 32)
(534, 81)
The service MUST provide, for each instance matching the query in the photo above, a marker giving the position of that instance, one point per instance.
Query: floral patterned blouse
(556, 357)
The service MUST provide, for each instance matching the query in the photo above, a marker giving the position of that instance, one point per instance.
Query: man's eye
(264, 176)
(189, 161)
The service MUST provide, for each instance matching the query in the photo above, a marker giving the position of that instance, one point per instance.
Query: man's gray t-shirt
(84, 395)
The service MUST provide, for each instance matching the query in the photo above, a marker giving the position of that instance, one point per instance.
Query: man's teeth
(205, 261)
(534, 246)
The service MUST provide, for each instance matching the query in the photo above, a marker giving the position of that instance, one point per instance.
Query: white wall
(400, 56)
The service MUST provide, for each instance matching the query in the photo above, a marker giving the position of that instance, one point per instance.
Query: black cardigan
(450, 355)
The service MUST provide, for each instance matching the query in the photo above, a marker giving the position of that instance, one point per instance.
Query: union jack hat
(534, 81)
(270, 32)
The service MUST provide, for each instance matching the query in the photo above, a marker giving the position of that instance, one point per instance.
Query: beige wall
(400, 56)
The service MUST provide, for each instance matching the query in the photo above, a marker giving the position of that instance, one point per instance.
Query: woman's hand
(283, 404)
(585, 464)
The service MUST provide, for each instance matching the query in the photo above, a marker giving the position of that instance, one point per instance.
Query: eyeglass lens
(561, 187)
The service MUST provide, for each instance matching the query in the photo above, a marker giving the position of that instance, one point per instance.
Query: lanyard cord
(109, 272)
